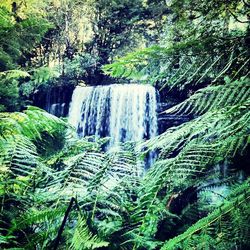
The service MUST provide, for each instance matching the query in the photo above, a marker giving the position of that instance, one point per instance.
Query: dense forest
(124, 124)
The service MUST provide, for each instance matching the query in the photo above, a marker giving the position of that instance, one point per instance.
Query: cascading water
(54, 103)
(55, 99)
(125, 112)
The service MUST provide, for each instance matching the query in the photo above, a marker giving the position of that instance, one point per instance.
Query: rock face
(55, 100)
(166, 121)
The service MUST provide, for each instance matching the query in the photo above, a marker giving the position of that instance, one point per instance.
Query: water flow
(122, 112)
(55, 103)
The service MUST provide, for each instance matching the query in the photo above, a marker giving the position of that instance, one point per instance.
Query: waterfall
(54, 103)
(54, 100)
(125, 112)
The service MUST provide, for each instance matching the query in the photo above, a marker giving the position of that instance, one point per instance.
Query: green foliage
(44, 130)
(43, 74)
(32, 124)
(9, 89)
(200, 46)
(116, 207)
(9, 95)
(19, 37)
(43, 165)
(84, 239)
(187, 153)
(37, 77)
(19, 156)
(180, 65)
(214, 97)
(21, 167)
(114, 24)
(14, 74)
(33, 182)
(80, 67)
(225, 228)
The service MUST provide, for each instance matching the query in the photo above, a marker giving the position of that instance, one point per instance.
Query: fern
(19, 156)
(9, 74)
(84, 239)
(195, 64)
(223, 129)
(212, 98)
(22, 170)
(186, 154)
(118, 207)
(220, 229)
(32, 123)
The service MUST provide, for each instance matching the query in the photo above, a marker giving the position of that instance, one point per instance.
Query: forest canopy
(59, 190)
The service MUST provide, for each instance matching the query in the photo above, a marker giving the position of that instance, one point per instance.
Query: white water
(122, 112)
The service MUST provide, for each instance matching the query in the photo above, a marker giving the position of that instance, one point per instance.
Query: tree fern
(22, 170)
(109, 187)
(157, 64)
(224, 128)
(186, 153)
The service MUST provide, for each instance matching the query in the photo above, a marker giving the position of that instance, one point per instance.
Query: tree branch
(236, 18)
(59, 234)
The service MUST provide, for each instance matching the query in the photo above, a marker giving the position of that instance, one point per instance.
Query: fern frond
(36, 217)
(226, 126)
(195, 63)
(32, 123)
(212, 98)
(9, 74)
(84, 239)
(186, 153)
(222, 227)
(18, 155)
